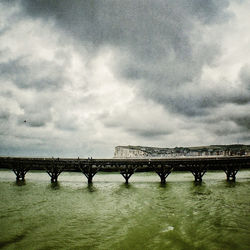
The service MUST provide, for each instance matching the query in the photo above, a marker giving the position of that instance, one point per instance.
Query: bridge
(198, 166)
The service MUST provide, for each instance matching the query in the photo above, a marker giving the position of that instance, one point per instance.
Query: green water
(112, 215)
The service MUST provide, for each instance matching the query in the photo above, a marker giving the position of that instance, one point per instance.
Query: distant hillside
(212, 150)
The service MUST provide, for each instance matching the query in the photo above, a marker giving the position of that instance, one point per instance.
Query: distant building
(153, 152)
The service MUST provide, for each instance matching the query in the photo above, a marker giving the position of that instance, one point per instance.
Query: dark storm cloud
(39, 76)
(148, 133)
(243, 121)
(209, 11)
(135, 127)
(118, 21)
(152, 31)
(225, 129)
(4, 115)
(202, 101)
(36, 111)
(163, 49)
(12, 67)
(224, 126)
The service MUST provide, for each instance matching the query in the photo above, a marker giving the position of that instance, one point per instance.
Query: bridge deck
(179, 163)
(70, 164)
(162, 166)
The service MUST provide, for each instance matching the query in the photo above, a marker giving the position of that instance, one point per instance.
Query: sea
(109, 214)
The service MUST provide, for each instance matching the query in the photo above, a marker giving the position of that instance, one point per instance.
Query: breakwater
(198, 166)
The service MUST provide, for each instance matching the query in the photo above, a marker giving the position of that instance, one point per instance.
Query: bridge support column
(198, 173)
(54, 171)
(163, 172)
(231, 173)
(89, 170)
(127, 172)
(20, 171)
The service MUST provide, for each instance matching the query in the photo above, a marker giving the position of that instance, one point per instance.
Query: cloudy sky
(89, 75)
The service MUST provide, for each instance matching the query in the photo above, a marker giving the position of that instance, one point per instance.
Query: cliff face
(153, 152)
(127, 152)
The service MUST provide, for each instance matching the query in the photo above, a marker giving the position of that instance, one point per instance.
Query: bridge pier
(198, 172)
(127, 172)
(54, 171)
(20, 171)
(88, 170)
(163, 171)
(231, 173)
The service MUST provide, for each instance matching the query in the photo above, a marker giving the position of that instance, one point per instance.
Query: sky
(78, 78)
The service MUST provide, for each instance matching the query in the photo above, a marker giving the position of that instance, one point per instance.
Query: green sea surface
(112, 215)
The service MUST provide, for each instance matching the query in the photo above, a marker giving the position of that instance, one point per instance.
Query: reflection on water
(54, 185)
(127, 185)
(91, 187)
(20, 182)
(198, 183)
(12, 241)
(163, 185)
(110, 214)
(231, 183)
